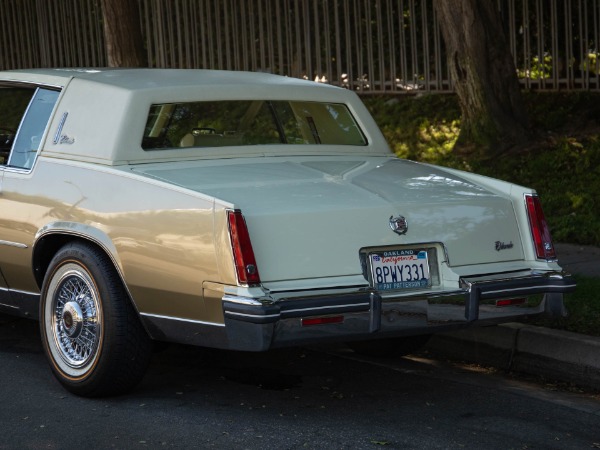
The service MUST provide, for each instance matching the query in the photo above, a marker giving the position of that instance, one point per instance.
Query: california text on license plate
(399, 269)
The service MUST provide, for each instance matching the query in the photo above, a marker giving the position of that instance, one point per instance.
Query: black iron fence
(372, 46)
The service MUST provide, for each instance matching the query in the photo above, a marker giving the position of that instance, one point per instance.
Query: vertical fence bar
(326, 39)
(338, 43)
(298, 47)
(390, 56)
(320, 52)
(359, 84)
(403, 44)
(526, 45)
(540, 54)
(568, 44)
(554, 44)
(584, 61)
(371, 75)
(439, 61)
(280, 65)
(596, 16)
(426, 50)
(271, 62)
(381, 59)
(306, 48)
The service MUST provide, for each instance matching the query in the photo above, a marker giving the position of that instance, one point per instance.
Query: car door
(24, 115)
(13, 104)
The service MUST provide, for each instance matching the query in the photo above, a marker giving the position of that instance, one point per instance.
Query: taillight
(245, 263)
(544, 249)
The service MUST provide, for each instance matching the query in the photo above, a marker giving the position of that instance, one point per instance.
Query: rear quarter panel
(162, 235)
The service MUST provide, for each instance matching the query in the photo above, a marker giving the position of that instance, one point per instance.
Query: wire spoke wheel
(92, 336)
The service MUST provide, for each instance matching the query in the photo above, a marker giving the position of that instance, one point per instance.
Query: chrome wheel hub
(72, 319)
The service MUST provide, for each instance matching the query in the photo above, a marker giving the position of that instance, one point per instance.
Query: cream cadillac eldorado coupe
(241, 211)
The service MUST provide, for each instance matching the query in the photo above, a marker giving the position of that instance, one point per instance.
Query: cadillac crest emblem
(399, 224)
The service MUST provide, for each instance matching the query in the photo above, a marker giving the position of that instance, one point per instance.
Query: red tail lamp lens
(245, 262)
(540, 232)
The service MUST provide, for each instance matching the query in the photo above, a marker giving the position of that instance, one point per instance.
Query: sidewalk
(554, 354)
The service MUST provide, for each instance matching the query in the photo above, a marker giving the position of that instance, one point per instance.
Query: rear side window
(231, 123)
(24, 115)
(32, 128)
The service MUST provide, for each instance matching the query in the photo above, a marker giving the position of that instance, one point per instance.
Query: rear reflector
(245, 262)
(544, 249)
(511, 301)
(322, 320)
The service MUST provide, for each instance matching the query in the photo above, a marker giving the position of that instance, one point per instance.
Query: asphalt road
(290, 399)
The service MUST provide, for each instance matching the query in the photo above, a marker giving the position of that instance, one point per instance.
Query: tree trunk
(123, 34)
(484, 76)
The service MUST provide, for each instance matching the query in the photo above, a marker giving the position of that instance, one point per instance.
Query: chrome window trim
(29, 84)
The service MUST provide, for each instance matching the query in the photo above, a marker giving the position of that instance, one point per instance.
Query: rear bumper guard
(478, 289)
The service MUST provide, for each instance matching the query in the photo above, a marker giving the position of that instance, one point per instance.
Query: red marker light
(511, 302)
(322, 320)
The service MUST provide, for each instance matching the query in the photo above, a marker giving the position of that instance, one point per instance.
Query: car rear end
(376, 257)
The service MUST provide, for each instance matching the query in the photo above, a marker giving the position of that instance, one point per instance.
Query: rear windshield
(252, 122)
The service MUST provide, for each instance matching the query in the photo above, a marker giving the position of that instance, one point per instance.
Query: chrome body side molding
(24, 304)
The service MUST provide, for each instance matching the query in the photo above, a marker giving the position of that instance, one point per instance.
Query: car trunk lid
(309, 217)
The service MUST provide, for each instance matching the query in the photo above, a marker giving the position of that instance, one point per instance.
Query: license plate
(399, 269)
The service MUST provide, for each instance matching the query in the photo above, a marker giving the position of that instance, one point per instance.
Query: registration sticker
(400, 269)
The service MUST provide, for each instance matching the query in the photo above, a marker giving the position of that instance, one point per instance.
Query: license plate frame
(399, 269)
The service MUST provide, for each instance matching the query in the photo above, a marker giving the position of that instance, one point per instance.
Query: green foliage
(591, 63)
(540, 68)
(566, 174)
(422, 128)
(563, 113)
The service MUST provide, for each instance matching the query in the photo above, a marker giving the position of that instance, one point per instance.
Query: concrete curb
(554, 354)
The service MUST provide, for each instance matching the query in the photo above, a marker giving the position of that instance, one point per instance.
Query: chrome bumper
(259, 324)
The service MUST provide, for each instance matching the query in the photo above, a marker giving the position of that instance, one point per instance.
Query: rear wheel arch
(50, 239)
